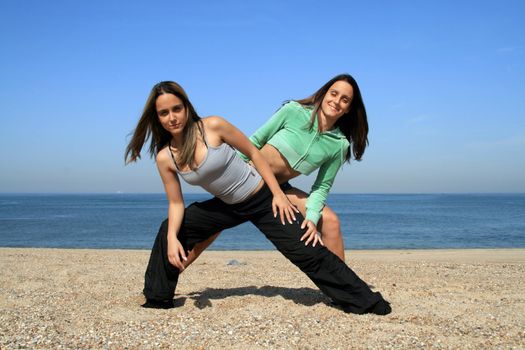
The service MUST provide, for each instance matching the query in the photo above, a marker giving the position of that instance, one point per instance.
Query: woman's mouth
(333, 108)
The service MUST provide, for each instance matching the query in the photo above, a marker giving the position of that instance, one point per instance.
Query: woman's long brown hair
(149, 127)
(353, 124)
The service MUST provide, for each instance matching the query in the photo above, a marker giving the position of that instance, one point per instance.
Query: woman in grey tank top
(183, 143)
(199, 150)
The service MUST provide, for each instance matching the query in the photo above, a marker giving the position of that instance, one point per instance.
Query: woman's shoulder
(294, 105)
(294, 108)
(216, 129)
(214, 121)
(336, 132)
(162, 156)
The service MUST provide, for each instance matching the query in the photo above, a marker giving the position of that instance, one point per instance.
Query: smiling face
(172, 113)
(336, 102)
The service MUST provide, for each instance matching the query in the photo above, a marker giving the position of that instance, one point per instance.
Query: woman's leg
(198, 249)
(201, 220)
(325, 269)
(329, 225)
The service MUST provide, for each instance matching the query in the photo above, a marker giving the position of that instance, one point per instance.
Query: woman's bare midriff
(279, 165)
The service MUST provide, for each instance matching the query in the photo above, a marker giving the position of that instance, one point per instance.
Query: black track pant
(203, 219)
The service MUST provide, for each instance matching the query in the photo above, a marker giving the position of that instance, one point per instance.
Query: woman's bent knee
(331, 222)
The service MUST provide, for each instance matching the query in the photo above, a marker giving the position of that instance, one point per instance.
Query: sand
(441, 299)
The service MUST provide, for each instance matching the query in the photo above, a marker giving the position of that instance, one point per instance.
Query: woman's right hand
(282, 206)
(176, 253)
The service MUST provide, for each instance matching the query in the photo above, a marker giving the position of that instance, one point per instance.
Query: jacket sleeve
(319, 192)
(270, 128)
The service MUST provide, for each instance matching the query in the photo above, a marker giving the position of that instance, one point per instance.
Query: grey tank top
(222, 173)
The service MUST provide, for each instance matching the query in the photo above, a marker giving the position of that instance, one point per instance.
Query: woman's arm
(171, 183)
(320, 189)
(317, 198)
(235, 138)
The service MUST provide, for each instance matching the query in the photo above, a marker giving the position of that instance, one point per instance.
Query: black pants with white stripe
(203, 219)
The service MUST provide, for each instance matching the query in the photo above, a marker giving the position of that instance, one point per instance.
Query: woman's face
(336, 101)
(172, 113)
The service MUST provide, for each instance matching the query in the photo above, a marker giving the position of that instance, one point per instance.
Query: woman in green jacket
(319, 132)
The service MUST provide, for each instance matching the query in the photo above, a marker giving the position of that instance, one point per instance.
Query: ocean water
(368, 221)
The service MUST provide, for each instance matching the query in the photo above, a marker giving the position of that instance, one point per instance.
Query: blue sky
(443, 83)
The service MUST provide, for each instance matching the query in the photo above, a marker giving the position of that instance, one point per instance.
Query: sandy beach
(441, 299)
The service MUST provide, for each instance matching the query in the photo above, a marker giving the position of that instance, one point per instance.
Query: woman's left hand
(311, 234)
(282, 206)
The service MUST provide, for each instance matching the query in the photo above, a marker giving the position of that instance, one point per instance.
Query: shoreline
(511, 255)
(357, 250)
(90, 298)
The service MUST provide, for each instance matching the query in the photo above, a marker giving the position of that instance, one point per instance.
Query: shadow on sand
(303, 296)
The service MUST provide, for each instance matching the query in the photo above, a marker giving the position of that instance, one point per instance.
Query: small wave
(15, 218)
(6, 203)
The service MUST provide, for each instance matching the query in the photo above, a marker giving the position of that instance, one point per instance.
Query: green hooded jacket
(306, 150)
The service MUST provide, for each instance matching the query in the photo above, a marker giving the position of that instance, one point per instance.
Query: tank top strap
(203, 133)
(173, 157)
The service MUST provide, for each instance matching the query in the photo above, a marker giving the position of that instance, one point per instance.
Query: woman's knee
(331, 221)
